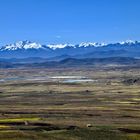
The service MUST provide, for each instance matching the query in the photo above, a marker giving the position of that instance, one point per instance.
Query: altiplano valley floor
(106, 106)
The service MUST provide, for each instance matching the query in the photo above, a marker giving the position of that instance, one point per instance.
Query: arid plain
(70, 103)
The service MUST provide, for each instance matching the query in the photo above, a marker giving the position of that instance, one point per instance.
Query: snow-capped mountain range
(33, 45)
(22, 45)
(24, 49)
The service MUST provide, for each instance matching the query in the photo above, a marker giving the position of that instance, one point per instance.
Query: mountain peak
(95, 44)
(24, 49)
(22, 45)
(33, 45)
(128, 42)
(59, 46)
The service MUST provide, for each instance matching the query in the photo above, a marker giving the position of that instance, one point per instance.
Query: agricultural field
(70, 104)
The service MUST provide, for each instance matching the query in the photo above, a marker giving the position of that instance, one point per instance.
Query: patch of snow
(60, 46)
(91, 44)
(128, 42)
(32, 46)
(22, 45)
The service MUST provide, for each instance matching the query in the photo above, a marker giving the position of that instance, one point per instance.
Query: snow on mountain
(33, 45)
(91, 44)
(25, 49)
(128, 42)
(60, 46)
(22, 45)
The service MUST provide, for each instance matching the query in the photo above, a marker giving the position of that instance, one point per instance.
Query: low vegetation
(103, 109)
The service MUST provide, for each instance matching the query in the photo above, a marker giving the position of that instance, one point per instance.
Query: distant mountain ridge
(28, 49)
(78, 63)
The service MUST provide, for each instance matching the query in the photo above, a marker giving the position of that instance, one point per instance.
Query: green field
(35, 107)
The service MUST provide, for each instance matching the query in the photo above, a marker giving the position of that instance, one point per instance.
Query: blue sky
(69, 21)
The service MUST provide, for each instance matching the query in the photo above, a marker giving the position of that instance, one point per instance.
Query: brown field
(34, 106)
